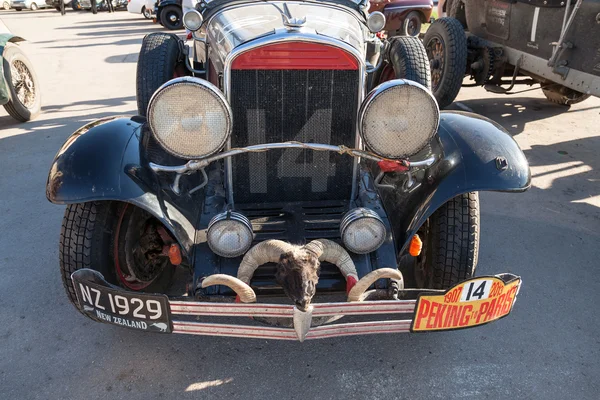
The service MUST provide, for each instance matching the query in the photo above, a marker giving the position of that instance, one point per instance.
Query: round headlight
(398, 118)
(192, 20)
(362, 230)
(229, 234)
(376, 21)
(190, 117)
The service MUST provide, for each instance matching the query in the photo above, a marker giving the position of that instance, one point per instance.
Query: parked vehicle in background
(74, 4)
(500, 44)
(19, 85)
(144, 7)
(28, 4)
(169, 13)
(117, 4)
(403, 17)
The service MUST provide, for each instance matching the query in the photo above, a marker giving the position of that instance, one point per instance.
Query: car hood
(243, 23)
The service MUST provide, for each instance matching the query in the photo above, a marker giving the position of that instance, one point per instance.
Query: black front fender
(475, 154)
(103, 161)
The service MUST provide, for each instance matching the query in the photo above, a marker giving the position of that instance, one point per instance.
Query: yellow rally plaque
(473, 302)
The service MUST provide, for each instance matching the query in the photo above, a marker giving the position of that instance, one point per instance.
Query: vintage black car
(501, 43)
(273, 159)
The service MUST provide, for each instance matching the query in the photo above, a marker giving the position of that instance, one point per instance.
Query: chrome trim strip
(293, 36)
(400, 8)
(200, 164)
(320, 332)
(195, 165)
(287, 311)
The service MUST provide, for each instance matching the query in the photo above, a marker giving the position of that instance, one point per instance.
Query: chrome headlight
(229, 234)
(376, 21)
(362, 230)
(398, 118)
(192, 20)
(190, 117)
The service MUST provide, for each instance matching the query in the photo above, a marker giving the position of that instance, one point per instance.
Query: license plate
(110, 304)
(474, 302)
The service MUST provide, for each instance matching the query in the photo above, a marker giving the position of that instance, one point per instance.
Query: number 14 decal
(293, 163)
(476, 290)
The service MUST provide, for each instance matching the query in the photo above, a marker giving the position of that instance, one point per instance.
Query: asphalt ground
(548, 348)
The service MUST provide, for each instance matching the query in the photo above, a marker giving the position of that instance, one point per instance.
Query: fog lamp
(362, 230)
(230, 234)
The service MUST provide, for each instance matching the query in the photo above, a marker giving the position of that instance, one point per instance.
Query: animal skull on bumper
(298, 271)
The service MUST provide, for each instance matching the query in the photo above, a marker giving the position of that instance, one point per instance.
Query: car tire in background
(171, 17)
(146, 13)
(19, 9)
(33, 7)
(23, 85)
(6, 5)
(563, 95)
(412, 24)
(159, 58)
(446, 47)
(409, 60)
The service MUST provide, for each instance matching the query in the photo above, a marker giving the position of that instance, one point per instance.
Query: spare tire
(159, 57)
(563, 95)
(409, 60)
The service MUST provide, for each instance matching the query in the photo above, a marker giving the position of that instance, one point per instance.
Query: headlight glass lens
(362, 231)
(230, 234)
(192, 20)
(398, 119)
(376, 21)
(190, 118)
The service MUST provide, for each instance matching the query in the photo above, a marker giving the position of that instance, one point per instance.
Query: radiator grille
(311, 106)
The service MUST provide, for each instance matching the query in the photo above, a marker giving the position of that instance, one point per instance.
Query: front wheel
(6, 5)
(446, 47)
(25, 100)
(146, 13)
(451, 244)
(122, 242)
(33, 7)
(171, 17)
(563, 95)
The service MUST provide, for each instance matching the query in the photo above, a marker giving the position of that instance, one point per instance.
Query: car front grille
(310, 106)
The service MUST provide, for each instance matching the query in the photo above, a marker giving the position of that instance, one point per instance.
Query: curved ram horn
(242, 289)
(262, 253)
(330, 251)
(363, 284)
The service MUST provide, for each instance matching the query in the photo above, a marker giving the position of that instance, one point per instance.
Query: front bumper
(483, 300)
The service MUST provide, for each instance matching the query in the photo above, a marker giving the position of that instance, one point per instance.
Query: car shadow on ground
(514, 113)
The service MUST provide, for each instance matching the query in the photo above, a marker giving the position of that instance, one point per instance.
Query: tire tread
(455, 44)
(157, 61)
(455, 240)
